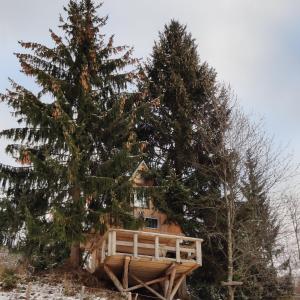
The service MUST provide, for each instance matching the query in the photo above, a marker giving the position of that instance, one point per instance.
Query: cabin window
(139, 199)
(151, 223)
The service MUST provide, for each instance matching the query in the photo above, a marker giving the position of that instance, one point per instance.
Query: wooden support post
(176, 287)
(168, 271)
(157, 247)
(125, 272)
(28, 291)
(178, 258)
(103, 251)
(82, 292)
(182, 292)
(199, 253)
(166, 286)
(109, 243)
(128, 296)
(114, 243)
(148, 287)
(135, 245)
(113, 278)
(172, 278)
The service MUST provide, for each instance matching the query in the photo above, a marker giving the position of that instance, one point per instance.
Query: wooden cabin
(158, 257)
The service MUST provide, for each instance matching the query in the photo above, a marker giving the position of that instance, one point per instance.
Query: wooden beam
(157, 247)
(176, 287)
(179, 282)
(113, 278)
(148, 287)
(125, 272)
(152, 246)
(231, 283)
(168, 271)
(166, 286)
(172, 278)
(161, 279)
(135, 245)
(162, 235)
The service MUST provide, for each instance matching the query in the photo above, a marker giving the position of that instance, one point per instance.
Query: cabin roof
(141, 167)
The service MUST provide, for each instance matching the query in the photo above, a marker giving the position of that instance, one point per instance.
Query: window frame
(137, 203)
(151, 218)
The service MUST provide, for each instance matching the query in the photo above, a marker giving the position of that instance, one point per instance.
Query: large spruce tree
(187, 90)
(75, 141)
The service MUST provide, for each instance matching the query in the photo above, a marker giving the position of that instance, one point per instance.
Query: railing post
(114, 243)
(135, 245)
(109, 243)
(178, 258)
(157, 247)
(199, 253)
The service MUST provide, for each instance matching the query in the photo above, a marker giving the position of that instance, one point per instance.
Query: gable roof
(141, 167)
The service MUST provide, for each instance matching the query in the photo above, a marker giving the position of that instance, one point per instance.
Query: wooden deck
(139, 259)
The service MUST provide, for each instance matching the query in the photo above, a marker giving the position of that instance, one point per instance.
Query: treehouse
(158, 257)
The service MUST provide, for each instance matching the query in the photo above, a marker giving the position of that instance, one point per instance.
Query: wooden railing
(157, 246)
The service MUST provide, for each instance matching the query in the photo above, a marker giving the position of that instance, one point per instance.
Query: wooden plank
(157, 280)
(178, 257)
(113, 278)
(125, 272)
(152, 246)
(148, 268)
(135, 245)
(157, 247)
(148, 287)
(172, 278)
(231, 283)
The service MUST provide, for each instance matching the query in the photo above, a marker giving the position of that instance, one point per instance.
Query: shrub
(9, 279)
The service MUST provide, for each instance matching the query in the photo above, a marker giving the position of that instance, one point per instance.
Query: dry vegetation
(19, 282)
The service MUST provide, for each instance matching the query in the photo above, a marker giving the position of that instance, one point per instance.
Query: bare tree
(292, 202)
(236, 137)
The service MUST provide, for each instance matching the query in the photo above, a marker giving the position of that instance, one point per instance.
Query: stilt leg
(125, 272)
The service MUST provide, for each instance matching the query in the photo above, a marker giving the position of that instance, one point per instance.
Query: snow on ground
(41, 291)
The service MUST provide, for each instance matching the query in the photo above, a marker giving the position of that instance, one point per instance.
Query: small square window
(151, 223)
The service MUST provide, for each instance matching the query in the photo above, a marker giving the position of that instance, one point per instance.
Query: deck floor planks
(145, 268)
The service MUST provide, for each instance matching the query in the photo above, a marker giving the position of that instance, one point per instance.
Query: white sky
(254, 45)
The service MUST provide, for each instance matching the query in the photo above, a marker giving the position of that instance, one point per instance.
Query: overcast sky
(253, 45)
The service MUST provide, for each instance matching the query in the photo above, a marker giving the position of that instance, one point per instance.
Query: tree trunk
(230, 212)
(75, 255)
(230, 293)
(182, 291)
